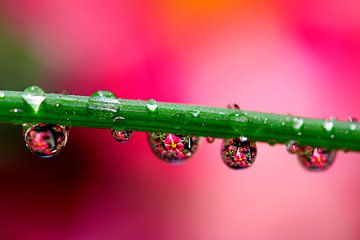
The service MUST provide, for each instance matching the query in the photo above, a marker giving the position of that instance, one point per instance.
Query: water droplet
(151, 106)
(299, 133)
(2, 94)
(233, 106)
(298, 123)
(210, 139)
(283, 123)
(121, 136)
(195, 113)
(332, 136)
(328, 125)
(316, 158)
(46, 140)
(58, 105)
(238, 153)
(353, 123)
(34, 97)
(173, 148)
(103, 94)
(293, 147)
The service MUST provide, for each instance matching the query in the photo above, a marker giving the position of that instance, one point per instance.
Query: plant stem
(150, 116)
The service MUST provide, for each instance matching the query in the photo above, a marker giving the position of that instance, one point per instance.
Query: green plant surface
(103, 110)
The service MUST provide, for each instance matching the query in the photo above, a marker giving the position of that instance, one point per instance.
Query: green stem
(103, 111)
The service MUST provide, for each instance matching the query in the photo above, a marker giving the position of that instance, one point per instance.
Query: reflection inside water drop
(46, 140)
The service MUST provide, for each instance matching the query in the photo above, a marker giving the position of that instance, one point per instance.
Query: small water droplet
(328, 125)
(58, 105)
(103, 94)
(34, 97)
(121, 136)
(46, 140)
(266, 121)
(293, 147)
(238, 153)
(332, 136)
(283, 123)
(233, 106)
(210, 139)
(2, 94)
(151, 106)
(173, 148)
(299, 133)
(298, 123)
(195, 113)
(352, 123)
(317, 159)
(272, 142)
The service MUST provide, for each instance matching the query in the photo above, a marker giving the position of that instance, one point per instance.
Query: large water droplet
(121, 136)
(151, 106)
(34, 97)
(46, 140)
(238, 153)
(316, 158)
(298, 123)
(173, 148)
(328, 125)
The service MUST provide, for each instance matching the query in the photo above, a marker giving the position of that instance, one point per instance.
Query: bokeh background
(299, 57)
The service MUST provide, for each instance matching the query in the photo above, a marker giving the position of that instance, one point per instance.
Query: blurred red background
(272, 56)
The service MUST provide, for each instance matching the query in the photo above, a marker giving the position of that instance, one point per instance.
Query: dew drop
(2, 94)
(195, 113)
(173, 148)
(210, 139)
(16, 110)
(46, 140)
(316, 159)
(121, 136)
(283, 123)
(34, 97)
(272, 142)
(238, 153)
(328, 125)
(353, 123)
(293, 147)
(298, 123)
(151, 106)
(103, 94)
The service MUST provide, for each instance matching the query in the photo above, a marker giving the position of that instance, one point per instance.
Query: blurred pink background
(299, 57)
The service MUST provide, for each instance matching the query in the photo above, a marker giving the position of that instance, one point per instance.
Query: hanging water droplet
(272, 142)
(293, 147)
(2, 94)
(103, 94)
(173, 148)
(210, 139)
(121, 136)
(298, 123)
(316, 158)
(238, 153)
(151, 106)
(328, 125)
(46, 140)
(34, 97)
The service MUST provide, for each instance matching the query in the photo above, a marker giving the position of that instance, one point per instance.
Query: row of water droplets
(47, 140)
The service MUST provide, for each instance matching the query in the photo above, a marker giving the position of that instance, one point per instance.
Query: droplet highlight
(328, 125)
(46, 140)
(298, 123)
(121, 136)
(238, 153)
(173, 148)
